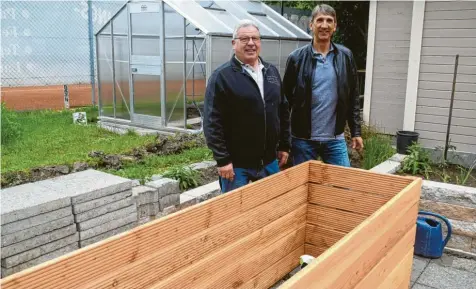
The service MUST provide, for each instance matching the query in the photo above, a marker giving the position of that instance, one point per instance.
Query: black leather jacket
(297, 84)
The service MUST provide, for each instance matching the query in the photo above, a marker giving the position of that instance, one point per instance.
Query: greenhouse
(154, 57)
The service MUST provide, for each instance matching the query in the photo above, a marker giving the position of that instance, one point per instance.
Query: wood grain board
(359, 225)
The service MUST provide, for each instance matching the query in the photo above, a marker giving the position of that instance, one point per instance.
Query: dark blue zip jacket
(240, 127)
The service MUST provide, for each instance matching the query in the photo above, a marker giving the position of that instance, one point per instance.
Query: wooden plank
(449, 32)
(466, 23)
(173, 258)
(400, 275)
(313, 250)
(451, 15)
(445, 103)
(255, 261)
(274, 273)
(202, 271)
(115, 252)
(357, 179)
(347, 200)
(346, 263)
(322, 237)
(384, 268)
(333, 218)
(446, 94)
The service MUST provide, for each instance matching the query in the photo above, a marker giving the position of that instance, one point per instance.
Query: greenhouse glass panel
(286, 48)
(221, 51)
(146, 94)
(174, 66)
(105, 74)
(270, 51)
(121, 62)
(273, 26)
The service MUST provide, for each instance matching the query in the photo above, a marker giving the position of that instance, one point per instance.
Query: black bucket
(405, 139)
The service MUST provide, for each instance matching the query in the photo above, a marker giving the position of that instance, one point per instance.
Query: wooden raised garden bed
(360, 225)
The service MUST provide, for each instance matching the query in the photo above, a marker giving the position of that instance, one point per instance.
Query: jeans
(331, 152)
(244, 176)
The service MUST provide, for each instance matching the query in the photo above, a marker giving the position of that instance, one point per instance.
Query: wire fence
(47, 45)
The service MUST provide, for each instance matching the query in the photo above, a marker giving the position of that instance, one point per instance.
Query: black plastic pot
(405, 139)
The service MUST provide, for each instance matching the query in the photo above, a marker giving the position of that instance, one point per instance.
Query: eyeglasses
(245, 40)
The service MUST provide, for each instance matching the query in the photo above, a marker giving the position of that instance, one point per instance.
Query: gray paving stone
(103, 228)
(165, 186)
(36, 231)
(88, 185)
(28, 200)
(419, 264)
(37, 241)
(39, 260)
(91, 205)
(145, 195)
(87, 242)
(466, 264)
(35, 221)
(442, 277)
(107, 218)
(419, 286)
(147, 210)
(39, 251)
(169, 200)
(111, 207)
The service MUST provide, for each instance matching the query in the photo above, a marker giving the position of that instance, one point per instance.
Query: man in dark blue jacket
(320, 83)
(246, 116)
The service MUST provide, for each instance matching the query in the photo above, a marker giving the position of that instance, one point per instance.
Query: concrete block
(135, 183)
(91, 205)
(387, 167)
(165, 186)
(111, 207)
(448, 193)
(169, 200)
(100, 237)
(39, 251)
(35, 221)
(36, 231)
(37, 241)
(203, 165)
(88, 185)
(156, 177)
(39, 260)
(419, 264)
(145, 195)
(28, 200)
(83, 235)
(464, 228)
(460, 242)
(454, 212)
(147, 210)
(107, 218)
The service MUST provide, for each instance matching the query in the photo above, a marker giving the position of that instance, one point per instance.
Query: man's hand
(357, 143)
(283, 158)
(227, 172)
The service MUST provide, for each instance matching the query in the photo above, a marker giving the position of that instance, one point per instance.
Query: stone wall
(47, 219)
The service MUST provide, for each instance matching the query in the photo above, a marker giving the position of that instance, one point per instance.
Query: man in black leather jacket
(321, 86)
(246, 121)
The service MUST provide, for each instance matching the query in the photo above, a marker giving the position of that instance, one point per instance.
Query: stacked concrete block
(168, 192)
(37, 226)
(147, 201)
(102, 204)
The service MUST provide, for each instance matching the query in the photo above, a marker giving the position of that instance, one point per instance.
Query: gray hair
(244, 23)
(323, 9)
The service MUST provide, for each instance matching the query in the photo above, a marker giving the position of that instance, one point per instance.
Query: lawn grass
(159, 164)
(51, 138)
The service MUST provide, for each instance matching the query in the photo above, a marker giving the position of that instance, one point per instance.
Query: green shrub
(11, 128)
(377, 149)
(186, 177)
(417, 162)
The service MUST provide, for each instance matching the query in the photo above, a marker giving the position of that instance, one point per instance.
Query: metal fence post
(91, 52)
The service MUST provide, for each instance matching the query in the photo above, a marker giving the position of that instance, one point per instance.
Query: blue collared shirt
(324, 97)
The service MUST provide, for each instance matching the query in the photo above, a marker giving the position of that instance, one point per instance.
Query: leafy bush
(11, 129)
(186, 177)
(417, 162)
(377, 149)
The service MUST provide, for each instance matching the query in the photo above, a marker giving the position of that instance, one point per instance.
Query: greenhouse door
(146, 64)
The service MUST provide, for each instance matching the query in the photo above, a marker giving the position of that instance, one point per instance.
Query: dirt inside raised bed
(450, 173)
